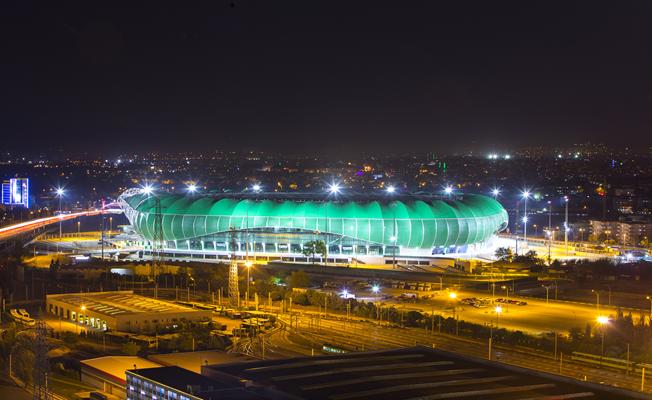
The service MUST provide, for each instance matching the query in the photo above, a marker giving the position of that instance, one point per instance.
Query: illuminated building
(276, 225)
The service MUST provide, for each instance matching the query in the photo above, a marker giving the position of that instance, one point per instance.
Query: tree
(313, 247)
(24, 364)
(130, 348)
(299, 279)
(529, 258)
(504, 254)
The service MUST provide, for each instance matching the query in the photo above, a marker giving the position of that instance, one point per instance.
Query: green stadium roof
(413, 223)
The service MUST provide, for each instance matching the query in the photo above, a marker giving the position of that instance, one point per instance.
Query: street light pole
(526, 194)
(597, 299)
(549, 232)
(60, 220)
(566, 224)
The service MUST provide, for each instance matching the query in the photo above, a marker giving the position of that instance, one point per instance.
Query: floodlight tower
(157, 237)
(234, 289)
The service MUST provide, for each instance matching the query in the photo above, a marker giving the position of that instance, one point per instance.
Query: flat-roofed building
(176, 383)
(193, 360)
(121, 311)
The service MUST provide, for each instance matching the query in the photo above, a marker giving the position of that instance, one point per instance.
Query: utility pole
(41, 363)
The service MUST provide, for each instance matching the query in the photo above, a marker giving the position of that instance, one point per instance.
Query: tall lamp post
(550, 232)
(333, 189)
(566, 228)
(597, 299)
(60, 193)
(248, 264)
(506, 294)
(603, 321)
(525, 195)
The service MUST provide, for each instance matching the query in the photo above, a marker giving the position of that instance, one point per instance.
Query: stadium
(275, 226)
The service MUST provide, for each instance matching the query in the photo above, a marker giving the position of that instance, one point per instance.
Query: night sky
(346, 76)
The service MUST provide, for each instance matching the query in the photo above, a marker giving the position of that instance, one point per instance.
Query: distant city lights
(494, 156)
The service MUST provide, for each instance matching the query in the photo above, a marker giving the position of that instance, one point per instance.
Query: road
(24, 227)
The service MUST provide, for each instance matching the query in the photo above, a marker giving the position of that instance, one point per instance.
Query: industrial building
(121, 311)
(176, 383)
(276, 226)
(404, 374)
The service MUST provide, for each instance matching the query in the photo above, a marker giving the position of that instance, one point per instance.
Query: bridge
(11, 231)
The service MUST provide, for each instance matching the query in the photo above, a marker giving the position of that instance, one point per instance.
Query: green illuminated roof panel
(414, 224)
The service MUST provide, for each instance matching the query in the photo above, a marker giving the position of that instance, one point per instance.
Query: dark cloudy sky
(337, 75)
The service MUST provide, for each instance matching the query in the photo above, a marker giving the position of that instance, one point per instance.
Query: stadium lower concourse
(276, 226)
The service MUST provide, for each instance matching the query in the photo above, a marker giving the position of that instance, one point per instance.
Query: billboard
(15, 192)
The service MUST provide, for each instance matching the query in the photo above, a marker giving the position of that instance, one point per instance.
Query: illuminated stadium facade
(275, 226)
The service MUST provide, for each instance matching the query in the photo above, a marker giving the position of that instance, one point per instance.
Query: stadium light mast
(192, 188)
(148, 189)
(256, 188)
(495, 192)
(334, 189)
(157, 237)
(448, 190)
(391, 189)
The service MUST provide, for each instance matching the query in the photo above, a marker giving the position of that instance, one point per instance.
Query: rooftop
(118, 303)
(114, 367)
(193, 383)
(193, 361)
(408, 374)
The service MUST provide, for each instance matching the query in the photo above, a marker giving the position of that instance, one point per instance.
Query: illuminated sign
(15, 192)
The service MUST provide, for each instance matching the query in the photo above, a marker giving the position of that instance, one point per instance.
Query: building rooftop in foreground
(114, 367)
(417, 373)
(189, 384)
(193, 360)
